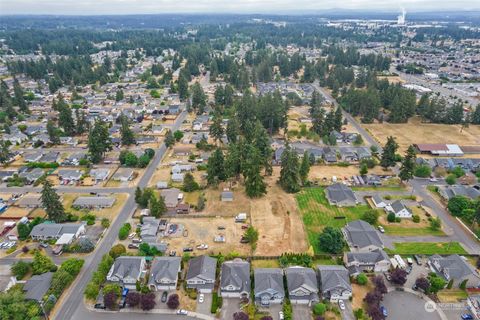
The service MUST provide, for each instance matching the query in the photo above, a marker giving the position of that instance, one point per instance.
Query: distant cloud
(86, 7)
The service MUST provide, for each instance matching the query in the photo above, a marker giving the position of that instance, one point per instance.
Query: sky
(99, 7)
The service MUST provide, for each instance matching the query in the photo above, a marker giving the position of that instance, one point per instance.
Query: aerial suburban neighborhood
(240, 166)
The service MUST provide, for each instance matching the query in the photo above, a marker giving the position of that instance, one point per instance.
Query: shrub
(110, 300)
(240, 315)
(105, 223)
(319, 309)
(362, 279)
(124, 230)
(415, 218)
(370, 216)
(458, 172)
(147, 301)
(20, 269)
(41, 263)
(216, 303)
(117, 250)
(133, 299)
(391, 217)
(451, 179)
(422, 171)
(399, 276)
(173, 301)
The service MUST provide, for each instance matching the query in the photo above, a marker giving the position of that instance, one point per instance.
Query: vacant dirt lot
(416, 132)
(203, 230)
(214, 205)
(278, 221)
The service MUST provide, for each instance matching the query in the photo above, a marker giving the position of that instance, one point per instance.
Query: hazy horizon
(135, 7)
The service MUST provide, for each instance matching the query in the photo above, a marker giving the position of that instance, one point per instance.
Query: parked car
(182, 312)
(164, 296)
(172, 253)
(202, 246)
(188, 249)
(384, 311)
(433, 179)
(409, 269)
(132, 235)
(133, 246)
(341, 304)
(244, 240)
(245, 226)
(387, 276)
(467, 316)
(221, 227)
(201, 298)
(280, 315)
(418, 259)
(381, 229)
(137, 240)
(43, 245)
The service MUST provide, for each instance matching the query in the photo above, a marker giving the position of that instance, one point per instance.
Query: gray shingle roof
(268, 280)
(398, 206)
(54, 229)
(454, 265)
(301, 277)
(127, 266)
(361, 234)
(333, 277)
(236, 273)
(367, 257)
(37, 286)
(94, 201)
(339, 192)
(164, 268)
(202, 267)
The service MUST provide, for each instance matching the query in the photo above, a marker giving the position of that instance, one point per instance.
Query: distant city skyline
(105, 7)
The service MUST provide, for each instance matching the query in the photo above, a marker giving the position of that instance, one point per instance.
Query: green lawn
(379, 188)
(317, 213)
(400, 230)
(427, 248)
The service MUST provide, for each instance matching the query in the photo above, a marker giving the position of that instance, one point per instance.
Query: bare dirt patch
(278, 221)
(203, 231)
(417, 132)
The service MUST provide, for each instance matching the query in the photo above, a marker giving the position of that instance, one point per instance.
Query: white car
(202, 246)
(201, 298)
(433, 179)
(381, 229)
(182, 312)
(341, 304)
(280, 315)
(132, 235)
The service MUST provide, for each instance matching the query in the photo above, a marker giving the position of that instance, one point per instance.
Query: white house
(400, 210)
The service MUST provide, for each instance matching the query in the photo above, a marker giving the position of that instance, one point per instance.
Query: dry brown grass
(278, 221)
(15, 212)
(417, 132)
(318, 172)
(203, 230)
(109, 213)
(359, 293)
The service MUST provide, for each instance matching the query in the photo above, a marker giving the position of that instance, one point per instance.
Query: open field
(265, 264)
(108, 213)
(15, 212)
(215, 206)
(359, 293)
(427, 248)
(278, 221)
(416, 132)
(319, 172)
(317, 213)
(203, 230)
(452, 295)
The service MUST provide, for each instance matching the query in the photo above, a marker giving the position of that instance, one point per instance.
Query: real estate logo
(430, 306)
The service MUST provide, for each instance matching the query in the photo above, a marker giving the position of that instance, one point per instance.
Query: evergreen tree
(216, 129)
(388, 155)
(169, 139)
(408, 164)
(254, 185)
(476, 115)
(261, 140)
(305, 167)
(157, 206)
(199, 99)
(318, 118)
(182, 86)
(99, 141)
(219, 95)
(119, 95)
(233, 161)
(216, 167)
(53, 133)
(338, 119)
(52, 204)
(126, 133)
(19, 96)
(289, 173)
(82, 123)
(228, 96)
(65, 117)
(4, 152)
(232, 130)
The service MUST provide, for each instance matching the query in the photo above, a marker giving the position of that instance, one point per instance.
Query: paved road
(470, 244)
(404, 305)
(366, 136)
(72, 306)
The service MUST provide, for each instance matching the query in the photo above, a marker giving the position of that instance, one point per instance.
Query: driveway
(301, 312)
(205, 306)
(347, 314)
(405, 305)
(273, 310)
(229, 307)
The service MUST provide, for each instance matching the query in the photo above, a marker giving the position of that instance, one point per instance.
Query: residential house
(357, 262)
(302, 285)
(448, 192)
(329, 155)
(235, 279)
(127, 270)
(227, 196)
(123, 174)
(201, 274)
(32, 157)
(32, 175)
(378, 201)
(164, 273)
(162, 185)
(455, 268)
(171, 197)
(68, 175)
(182, 151)
(30, 201)
(341, 195)
(268, 286)
(37, 286)
(85, 202)
(400, 210)
(99, 175)
(178, 177)
(49, 231)
(361, 236)
(149, 229)
(334, 283)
